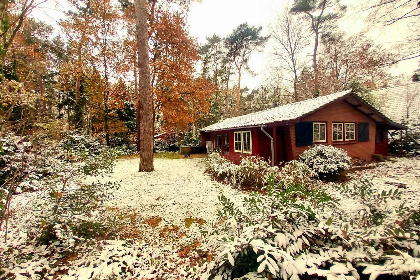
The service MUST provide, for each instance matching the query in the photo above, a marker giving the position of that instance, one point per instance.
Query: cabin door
(381, 140)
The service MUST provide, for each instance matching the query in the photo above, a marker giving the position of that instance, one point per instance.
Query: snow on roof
(400, 103)
(286, 112)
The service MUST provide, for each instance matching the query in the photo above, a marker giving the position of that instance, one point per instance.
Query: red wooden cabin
(281, 134)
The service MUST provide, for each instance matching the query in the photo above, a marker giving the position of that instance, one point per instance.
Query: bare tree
(290, 39)
(145, 90)
(392, 12)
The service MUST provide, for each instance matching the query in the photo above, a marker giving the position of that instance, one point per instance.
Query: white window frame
(354, 131)
(241, 141)
(236, 141)
(342, 131)
(325, 132)
(250, 142)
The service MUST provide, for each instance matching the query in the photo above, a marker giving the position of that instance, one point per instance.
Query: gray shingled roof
(283, 113)
(400, 103)
(294, 111)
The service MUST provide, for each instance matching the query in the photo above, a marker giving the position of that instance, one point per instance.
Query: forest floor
(167, 221)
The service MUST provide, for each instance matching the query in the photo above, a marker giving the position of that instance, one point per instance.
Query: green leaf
(329, 221)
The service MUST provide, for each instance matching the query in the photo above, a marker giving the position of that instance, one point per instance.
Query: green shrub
(253, 172)
(326, 161)
(286, 234)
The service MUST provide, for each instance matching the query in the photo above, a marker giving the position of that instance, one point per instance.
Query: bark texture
(145, 90)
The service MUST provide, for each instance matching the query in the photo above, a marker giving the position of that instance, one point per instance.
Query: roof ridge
(291, 103)
(281, 113)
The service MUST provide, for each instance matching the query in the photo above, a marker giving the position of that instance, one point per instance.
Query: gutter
(272, 144)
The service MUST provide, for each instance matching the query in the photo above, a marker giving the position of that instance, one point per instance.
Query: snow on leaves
(296, 225)
(364, 225)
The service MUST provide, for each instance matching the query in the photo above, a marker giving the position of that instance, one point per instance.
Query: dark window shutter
(304, 134)
(363, 132)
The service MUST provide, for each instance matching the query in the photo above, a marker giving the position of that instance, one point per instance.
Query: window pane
(322, 132)
(226, 143)
(219, 141)
(337, 131)
(247, 141)
(238, 143)
(350, 129)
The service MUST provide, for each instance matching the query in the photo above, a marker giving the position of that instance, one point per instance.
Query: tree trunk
(78, 73)
(136, 93)
(238, 93)
(295, 85)
(315, 65)
(145, 90)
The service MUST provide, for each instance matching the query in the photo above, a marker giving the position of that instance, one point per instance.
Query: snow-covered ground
(176, 190)
(174, 208)
(172, 212)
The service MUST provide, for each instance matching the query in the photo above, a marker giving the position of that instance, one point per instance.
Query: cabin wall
(340, 112)
(233, 156)
(264, 143)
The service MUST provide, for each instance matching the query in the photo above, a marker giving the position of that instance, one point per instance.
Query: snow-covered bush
(272, 229)
(80, 145)
(297, 173)
(326, 161)
(59, 170)
(293, 232)
(409, 145)
(252, 172)
(75, 214)
(74, 204)
(221, 169)
(17, 170)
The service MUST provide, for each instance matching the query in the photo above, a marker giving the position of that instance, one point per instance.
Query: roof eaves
(373, 108)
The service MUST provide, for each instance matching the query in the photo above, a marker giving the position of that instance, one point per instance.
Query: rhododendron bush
(299, 226)
(254, 172)
(326, 161)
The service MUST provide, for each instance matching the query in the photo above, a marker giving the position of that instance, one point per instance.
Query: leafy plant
(253, 172)
(326, 161)
(291, 231)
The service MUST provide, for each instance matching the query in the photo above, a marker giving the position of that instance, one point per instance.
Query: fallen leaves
(153, 221)
(189, 221)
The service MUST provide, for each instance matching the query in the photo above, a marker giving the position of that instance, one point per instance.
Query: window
(243, 142)
(319, 132)
(344, 131)
(219, 142)
(238, 142)
(337, 132)
(226, 143)
(350, 131)
(246, 142)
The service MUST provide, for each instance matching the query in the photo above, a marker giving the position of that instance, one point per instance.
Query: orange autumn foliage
(180, 98)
